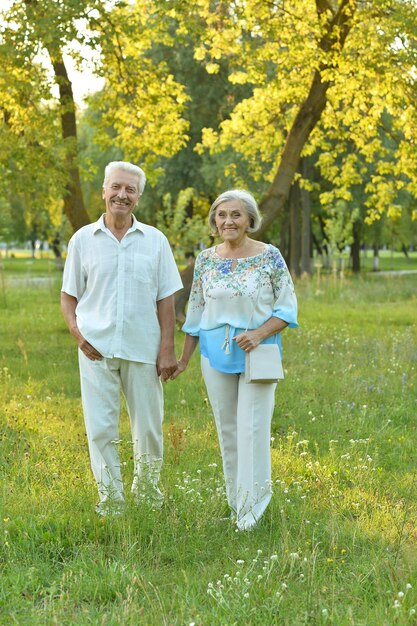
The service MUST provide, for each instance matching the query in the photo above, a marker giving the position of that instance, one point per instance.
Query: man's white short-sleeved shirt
(117, 285)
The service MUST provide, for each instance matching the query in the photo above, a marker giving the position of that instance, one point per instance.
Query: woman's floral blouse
(258, 288)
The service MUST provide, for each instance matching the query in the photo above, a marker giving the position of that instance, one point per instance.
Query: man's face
(121, 193)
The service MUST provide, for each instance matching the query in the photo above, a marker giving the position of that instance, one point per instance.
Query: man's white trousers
(101, 386)
(243, 414)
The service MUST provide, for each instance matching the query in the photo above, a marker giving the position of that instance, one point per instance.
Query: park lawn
(338, 542)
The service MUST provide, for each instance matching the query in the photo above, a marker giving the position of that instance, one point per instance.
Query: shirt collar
(100, 225)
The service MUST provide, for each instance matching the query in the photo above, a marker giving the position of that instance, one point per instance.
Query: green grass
(388, 261)
(21, 262)
(338, 542)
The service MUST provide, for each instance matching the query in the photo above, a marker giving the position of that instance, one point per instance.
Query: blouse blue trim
(233, 362)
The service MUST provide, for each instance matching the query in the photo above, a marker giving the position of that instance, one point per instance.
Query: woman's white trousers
(101, 385)
(243, 414)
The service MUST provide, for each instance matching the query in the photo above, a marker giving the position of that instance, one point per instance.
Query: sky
(83, 83)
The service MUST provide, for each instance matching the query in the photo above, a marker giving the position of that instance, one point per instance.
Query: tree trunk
(355, 250)
(306, 239)
(295, 230)
(405, 251)
(317, 246)
(325, 248)
(56, 249)
(375, 258)
(74, 207)
(285, 235)
(181, 297)
(309, 114)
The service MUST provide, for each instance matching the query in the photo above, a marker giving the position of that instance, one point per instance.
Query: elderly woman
(242, 295)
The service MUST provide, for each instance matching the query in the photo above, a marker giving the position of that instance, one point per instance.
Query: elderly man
(118, 302)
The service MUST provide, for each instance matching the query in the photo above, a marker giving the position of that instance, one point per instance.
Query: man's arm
(166, 363)
(68, 306)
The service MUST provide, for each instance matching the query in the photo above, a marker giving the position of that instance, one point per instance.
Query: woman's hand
(181, 366)
(252, 338)
(248, 340)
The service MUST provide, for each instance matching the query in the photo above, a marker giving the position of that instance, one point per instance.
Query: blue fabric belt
(223, 353)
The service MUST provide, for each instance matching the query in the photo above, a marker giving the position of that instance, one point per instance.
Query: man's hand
(166, 364)
(68, 306)
(85, 347)
(89, 350)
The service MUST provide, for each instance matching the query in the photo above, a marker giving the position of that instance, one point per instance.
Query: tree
(43, 126)
(287, 56)
(328, 80)
(321, 72)
(210, 99)
(39, 127)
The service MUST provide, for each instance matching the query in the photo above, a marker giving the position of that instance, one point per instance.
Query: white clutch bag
(263, 364)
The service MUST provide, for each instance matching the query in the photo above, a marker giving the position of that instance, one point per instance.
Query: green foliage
(337, 544)
(93, 158)
(29, 133)
(141, 99)
(140, 111)
(211, 98)
(32, 36)
(369, 117)
(12, 222)
(186, 234)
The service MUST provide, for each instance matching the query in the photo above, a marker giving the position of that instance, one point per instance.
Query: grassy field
(338, 542)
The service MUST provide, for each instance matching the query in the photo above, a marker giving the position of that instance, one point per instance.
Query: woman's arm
(190, 344)
(284, 305)
(251, 338)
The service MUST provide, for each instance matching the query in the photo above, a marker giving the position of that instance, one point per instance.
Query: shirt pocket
(144, 268)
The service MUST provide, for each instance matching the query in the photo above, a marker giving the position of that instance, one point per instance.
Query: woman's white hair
(248, 202)
(126, 167)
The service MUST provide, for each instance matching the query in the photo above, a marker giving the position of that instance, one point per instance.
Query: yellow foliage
(278, 51)
(365, 138)
(212, 68)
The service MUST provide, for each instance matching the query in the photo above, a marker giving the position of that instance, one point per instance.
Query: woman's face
(232, 221)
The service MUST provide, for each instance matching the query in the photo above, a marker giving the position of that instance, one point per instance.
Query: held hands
(190, 344)
(248, 340)
(166, 366)
(181, 366)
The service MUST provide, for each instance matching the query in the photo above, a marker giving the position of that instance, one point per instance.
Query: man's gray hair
(249, 204)
(126, 167)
